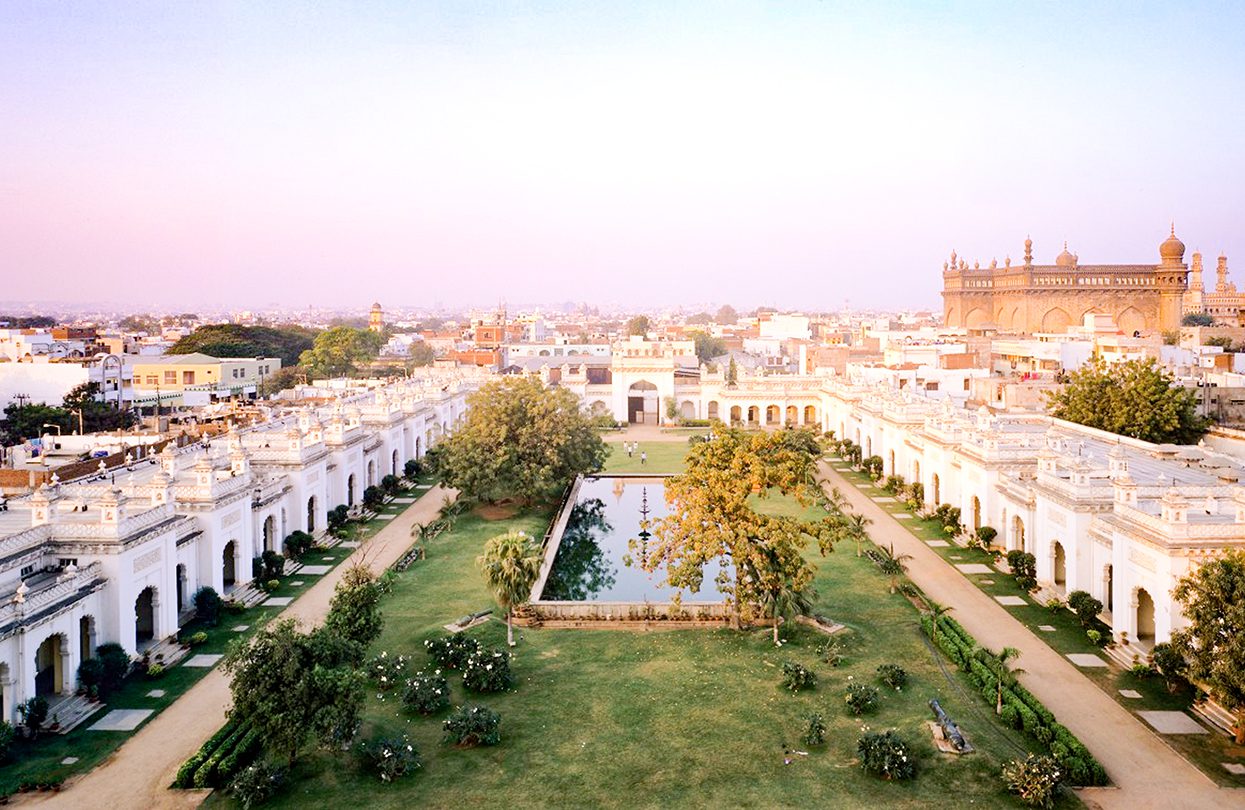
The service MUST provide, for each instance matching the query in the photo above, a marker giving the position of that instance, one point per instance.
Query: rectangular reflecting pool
(591, 557)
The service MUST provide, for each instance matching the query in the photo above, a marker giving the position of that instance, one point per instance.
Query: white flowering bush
(453, 651)
(861, 698)
(886, 755)
(488, 671)
(473, 725)
(257, 784)
(1036, 780)
(797, 677)
(388, 671)
(426, 693)
(390, 758)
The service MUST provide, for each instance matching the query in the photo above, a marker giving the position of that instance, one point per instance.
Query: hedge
(186, 773)
(239, 758)
(206, 775)
(1021, 709)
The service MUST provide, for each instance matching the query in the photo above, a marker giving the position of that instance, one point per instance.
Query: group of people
(631, 448)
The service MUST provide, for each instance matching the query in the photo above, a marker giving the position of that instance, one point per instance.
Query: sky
(793, 153)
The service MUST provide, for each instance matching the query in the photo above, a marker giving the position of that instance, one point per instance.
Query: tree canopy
(354, 611)
(1213, 600)
(707, 346)
(639, 325)
(27, 421)
(1134, 398)
(511, 564)
(235, 340)
(338, 352)
(1197, 319)
(711, 517)
(699, 319)
(520, 439)
(727, 314)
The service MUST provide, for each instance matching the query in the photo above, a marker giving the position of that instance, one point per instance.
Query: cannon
(950, 730)
(466, 620)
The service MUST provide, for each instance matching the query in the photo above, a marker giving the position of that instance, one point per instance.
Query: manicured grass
(1206, 751)
(615, 718)
(663, 457)
(40, 760)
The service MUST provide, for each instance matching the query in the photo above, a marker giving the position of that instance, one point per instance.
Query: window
(188, 378)
(170, 378)
(27, 570)
(66, 561)
(152, 379)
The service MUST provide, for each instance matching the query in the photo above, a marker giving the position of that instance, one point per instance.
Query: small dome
(1172, 248)
(1066, 259)
(376, 305)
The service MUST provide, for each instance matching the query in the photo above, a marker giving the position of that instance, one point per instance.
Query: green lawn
(606, 718)
(1206, 751)
(41, 760)
(663, 457)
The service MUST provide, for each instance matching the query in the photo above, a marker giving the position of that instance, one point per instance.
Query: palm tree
(1004, 676)
(785, 601)
(856, 530)
(936, 612)
(511, 564)
(893, 565)
(836, 500)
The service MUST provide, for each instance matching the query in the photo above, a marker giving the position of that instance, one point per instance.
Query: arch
(394, 467)
(86, 637)
(976, 317)
(1018, 533)
(1056, 320)
(1060, 572)
(712, 409)
(419, 449)
(736, 415)
(793, 415)
(687, 410)
(868, 446)
(183, 595)
(772, 414)
(371, 473)
(810, 414)
(916, 471)
(976, 513)
(145, 617)
(229, 565)
(50, 666)
(1131, 320)
(642, 403)
(891, 455)
(350, 490)
(953, 317)
(936, 484)
(754, 414)
(311, 515)
(598, 408)
(1145, 616)
(1108, 577)
(269, 536)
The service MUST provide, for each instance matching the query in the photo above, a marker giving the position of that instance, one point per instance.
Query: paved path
(138, 774)
(1146, 773)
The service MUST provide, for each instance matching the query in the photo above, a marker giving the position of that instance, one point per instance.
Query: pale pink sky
(794, 153)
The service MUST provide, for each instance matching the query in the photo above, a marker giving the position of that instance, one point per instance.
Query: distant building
(376, 319)
(197, 379)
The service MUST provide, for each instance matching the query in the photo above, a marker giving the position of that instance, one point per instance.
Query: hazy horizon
(797, 154)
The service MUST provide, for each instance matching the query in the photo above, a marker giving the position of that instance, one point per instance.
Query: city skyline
(650, 156)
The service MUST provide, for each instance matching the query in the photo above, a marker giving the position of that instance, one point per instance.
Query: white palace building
(117, 558)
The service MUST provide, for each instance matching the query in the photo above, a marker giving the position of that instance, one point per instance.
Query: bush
(861, 698)
(411, 468)
(893, 676)
(986, 535)
(473, 725)
(831, 652)
(426, 692)
(388, 671)
(1141, 670)
(886, 755)
(337, 516)
(814, 730)
(257, 784)
(390, 758)
(241, 754)
(34, 711)
(797, 677)
(373, 496)
(1010, 717)
(452, 651)
(206, 775)
(1084, 606)
(186, 773)
(198, 639)
(91, 673)
(7, 733)
(155, 671)
(488, 671)
(207, 605)
(1036, 780)
(1169, 661)
(1024, 568)
(273, 564)
(298, 543)
(390, 484)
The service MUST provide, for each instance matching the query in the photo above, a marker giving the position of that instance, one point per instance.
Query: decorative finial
(1173, 227)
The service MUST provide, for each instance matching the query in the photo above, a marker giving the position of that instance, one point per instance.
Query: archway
(419, 451)
(49, 666)
(1145, 616)
(1018, 533)
(394, 467)
(713, 409)
(976, 513)
(771, 414)
(976, 317)
(1061, 566)
(599, 408)
(793, 415)
(311, 514)
(642, 403)
(145, 616)
(371, 473)
(736, 415)
(937, 485)
(229, 565)
(891, 455)
(270, 533)
(810, 415)
(1109, 596)
(1056, 320)
(754, 414)
(868, 446)
(181, 586)
(916, 471)
(1131, 320)
(86, 637)
(350, 490)
(687, 410)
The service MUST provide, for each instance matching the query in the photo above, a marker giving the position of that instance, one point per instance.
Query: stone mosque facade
(1029, 297)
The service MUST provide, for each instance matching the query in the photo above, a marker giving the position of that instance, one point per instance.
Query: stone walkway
(1144, 771)
(138, 774)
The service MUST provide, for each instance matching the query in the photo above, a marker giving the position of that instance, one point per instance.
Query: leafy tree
(1085, 606)
(712, 520)
(1213, 600)
(27, 421)
(732, 372)
(639, 325)
(1197, 319)
(235, 340)
(354, 611)
(727, 314)
(421, 355)
(337, 352)
(1134, 398)
(96, 415)
(707, 346)
(520, 439)
(699, 319)
(138, 323)
(28, 321)
(511, 563)
(291, 685)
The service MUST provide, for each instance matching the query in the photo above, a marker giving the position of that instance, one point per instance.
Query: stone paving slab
(884, 499)
(937, 543)
(278, 601)
(404, 500)
(202, 660)
(987, 581)
(424, 486)
(1046, 628)
(328, 559)
(1172, 722)
(1131, 694)
(973, 568)
(315, 570)
(122, 720)
(1011, 601)
(350, 544)
(1087, 660)
(241, 628)
(903, 516)
(1234, 768)
(72, 760)
(297, 583)
(385, 517)
(156, 693)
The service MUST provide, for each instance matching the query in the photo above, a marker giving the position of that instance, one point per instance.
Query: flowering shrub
(488, 671)
(1035, 780)
(390, 757)
(893, 676)
(453, 651)
(257, 784)
(426, 693)
(886, 755)
(831, 652)
(473, 725)
(797, 677)
(388, 671)
(861, 698)
(815, 730)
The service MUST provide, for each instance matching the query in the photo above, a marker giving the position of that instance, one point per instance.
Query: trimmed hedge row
(225, 753)
(1021, 709)
(206, 776)
(186, 773)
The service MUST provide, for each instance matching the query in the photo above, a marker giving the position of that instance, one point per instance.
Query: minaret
(376, 319)
(1221, 275)
(1195, 273)
(1172, 278)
